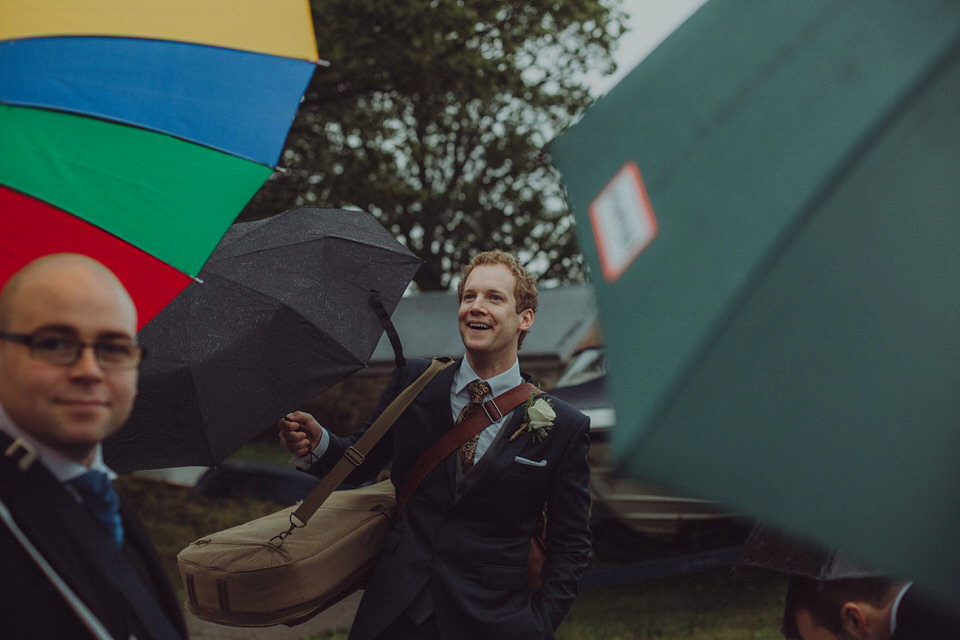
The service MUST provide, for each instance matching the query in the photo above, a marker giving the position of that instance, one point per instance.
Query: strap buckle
(487, 411)
(354, 456)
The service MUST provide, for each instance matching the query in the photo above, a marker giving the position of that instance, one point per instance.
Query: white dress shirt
(459, 397)
(63, 468)
(500, 383)
(896, 605)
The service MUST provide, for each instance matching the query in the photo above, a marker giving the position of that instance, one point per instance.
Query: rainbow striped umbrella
(134, 131)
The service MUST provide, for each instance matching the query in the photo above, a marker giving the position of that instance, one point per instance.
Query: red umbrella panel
(38, 229)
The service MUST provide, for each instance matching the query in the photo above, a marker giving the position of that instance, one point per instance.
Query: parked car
(262, 480)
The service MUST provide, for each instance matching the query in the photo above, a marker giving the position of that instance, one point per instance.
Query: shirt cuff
(307, 460)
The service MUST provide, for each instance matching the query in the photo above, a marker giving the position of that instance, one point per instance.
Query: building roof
(426, 323)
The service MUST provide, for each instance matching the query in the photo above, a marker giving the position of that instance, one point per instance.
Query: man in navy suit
(76, 561)
(455, 564)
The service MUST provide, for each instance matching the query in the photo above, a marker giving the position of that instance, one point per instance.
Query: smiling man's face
(490, 324)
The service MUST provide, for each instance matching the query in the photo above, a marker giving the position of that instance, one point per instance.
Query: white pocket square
(529, 462)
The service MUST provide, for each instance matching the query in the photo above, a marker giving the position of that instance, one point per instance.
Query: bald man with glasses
(77, 562)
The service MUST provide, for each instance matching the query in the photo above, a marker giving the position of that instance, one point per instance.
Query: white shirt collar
(499, 383)
(896, 605)
(63, 468)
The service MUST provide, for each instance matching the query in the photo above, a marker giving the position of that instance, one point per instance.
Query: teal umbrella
(770, 205)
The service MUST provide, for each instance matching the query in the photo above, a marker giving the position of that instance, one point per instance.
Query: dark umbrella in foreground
(781, 302)
(284, 310)
(770, 548)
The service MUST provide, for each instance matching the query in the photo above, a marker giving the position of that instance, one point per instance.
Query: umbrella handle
(376, 301)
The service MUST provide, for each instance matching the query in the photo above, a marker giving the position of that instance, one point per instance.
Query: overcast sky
(650, 22)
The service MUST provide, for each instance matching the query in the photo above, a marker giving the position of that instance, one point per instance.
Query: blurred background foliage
(433, 115)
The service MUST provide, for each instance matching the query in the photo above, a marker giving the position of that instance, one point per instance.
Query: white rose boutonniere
(538, 419)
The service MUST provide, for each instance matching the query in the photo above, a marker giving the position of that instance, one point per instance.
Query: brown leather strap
(476, 422)
(354, 456)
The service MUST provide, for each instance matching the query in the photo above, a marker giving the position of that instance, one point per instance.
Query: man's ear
(526, 319)
(856, 622)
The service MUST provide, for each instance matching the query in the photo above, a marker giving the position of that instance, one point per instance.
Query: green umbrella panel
(169, 190)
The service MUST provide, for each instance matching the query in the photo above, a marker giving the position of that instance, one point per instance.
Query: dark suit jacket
(919, 619)
(468, 543)
(127, 591)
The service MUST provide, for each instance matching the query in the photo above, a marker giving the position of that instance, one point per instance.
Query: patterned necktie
(102, 501)
(478, 389)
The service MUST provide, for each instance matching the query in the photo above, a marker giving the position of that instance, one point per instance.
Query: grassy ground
(262, 450)
(715, 605)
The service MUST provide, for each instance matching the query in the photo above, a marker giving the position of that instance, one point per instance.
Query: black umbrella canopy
(770, 548)
(283, 309)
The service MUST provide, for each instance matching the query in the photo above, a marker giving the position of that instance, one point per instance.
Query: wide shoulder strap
(493, 410)
(353, 457)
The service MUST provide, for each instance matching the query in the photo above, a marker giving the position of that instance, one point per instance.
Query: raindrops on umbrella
(285, 307)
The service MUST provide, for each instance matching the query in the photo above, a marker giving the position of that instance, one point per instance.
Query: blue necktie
(102, 501)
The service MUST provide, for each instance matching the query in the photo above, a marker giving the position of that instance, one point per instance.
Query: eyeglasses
(64, 350)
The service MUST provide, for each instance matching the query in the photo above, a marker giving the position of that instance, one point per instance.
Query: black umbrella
(770, 548)
(284, 308)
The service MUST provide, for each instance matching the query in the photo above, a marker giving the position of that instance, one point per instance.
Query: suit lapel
(72, 542)
(139, 544)
(434, 401)
(497, 459)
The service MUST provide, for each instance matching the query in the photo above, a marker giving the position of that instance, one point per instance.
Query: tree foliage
(434, 114)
